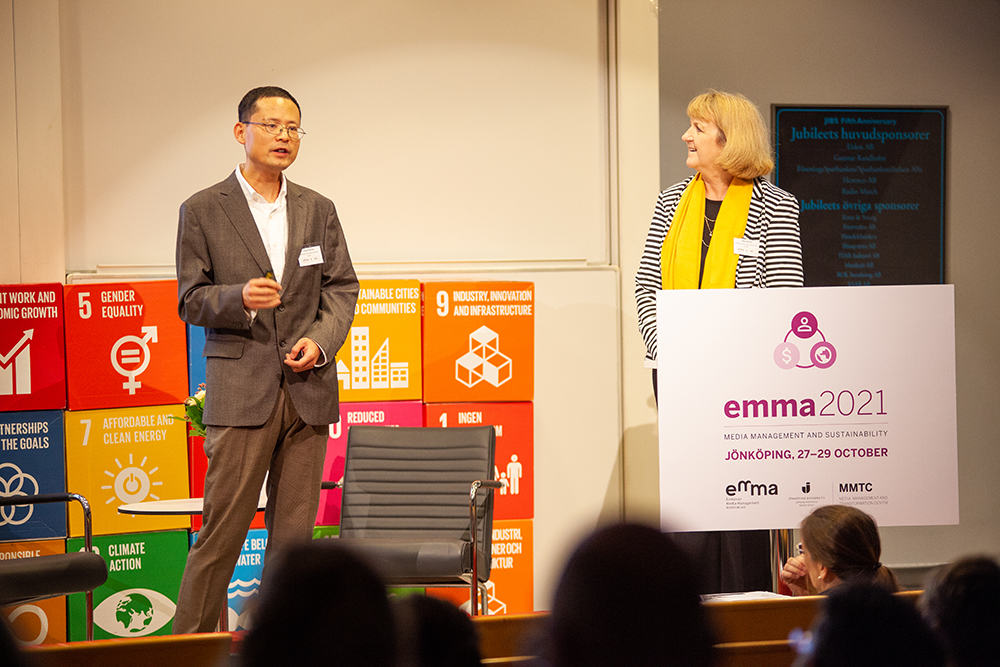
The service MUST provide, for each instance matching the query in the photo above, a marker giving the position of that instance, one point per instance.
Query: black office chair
(29, 579)
(412, 504)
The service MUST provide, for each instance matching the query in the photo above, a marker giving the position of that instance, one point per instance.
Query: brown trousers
(290, 453)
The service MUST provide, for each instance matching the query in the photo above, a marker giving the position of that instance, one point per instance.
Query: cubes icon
(483, 361)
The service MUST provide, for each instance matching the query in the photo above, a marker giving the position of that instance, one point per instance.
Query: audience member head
(321, 605)
(434, 633)
(864, 625)
(961, 602)
(628, 596)
(10, 654)
(841, 544)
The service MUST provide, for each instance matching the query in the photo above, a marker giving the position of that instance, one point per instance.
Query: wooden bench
(510, 636)
(779, 653)
(201, 650)
(769, 619)
(751, 633)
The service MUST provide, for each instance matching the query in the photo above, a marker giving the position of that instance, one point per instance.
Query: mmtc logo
(15, 482)
(856, 487)
(754, 489)
(805, 331)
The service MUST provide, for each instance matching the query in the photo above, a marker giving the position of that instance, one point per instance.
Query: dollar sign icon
(786, 355)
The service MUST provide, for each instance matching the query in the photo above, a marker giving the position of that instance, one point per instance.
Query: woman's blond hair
(743, 135)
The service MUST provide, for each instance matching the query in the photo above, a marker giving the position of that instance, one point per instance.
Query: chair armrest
(57, 498)
(473, 529)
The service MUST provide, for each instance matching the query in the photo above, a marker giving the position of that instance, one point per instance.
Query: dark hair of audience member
(846, 541)
(434, 633)
(10, 654)
(321, 605)
(865, 625)
(961, 602)
(628, 596)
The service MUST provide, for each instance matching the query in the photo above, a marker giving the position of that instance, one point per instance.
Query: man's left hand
(303, 356)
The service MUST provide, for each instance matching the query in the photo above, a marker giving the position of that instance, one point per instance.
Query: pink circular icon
(804, 324)
(786, 355)
(823, 354)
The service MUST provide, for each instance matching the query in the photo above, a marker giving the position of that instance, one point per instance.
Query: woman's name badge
(746, 247)
(311, 255)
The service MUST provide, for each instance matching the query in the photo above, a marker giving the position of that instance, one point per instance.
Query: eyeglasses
(277, 128)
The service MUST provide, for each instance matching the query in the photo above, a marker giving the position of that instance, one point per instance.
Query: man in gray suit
(262, 264)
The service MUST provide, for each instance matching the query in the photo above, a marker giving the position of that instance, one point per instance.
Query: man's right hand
(261, 293)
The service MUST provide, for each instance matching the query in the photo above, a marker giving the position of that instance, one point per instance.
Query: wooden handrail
(201, 650)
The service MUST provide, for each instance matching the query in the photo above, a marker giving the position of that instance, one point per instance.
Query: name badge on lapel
(310, 255)
(746, 247)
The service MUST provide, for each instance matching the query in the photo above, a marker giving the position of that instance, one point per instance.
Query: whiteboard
(442, 130)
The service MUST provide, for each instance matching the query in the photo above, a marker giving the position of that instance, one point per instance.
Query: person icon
(804, 324)
(503, 489)
(514, 469)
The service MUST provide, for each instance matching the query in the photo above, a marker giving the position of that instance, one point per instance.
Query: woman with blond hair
(722, 228)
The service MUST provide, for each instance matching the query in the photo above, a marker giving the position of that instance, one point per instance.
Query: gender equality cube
(125, 345)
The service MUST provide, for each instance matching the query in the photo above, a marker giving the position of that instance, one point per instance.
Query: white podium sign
(773, 402)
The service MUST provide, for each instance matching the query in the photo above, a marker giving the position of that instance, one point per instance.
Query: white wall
(894, 52)
(443, 130)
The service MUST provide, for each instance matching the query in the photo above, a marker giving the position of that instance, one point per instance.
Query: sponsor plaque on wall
(870, 183)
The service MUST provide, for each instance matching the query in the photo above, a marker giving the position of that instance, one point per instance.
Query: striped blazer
(773, 220)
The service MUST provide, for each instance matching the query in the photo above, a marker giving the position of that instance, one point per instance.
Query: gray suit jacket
(218, 250)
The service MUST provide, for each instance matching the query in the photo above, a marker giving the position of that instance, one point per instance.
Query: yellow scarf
(680, 257)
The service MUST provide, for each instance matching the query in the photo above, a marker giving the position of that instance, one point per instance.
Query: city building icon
(369, 371)
(15, 376)
(483, 361)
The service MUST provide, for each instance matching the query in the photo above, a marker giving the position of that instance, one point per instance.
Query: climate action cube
(380, 360)
(32, 461)
(390, 413)
(124, 456)
(125, 345)
(511, 587)
(32, 351)
(140, 595)
(479, 341)
(515, 453)
(41, 621)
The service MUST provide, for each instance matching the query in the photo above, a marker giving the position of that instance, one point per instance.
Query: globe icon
(134, 612)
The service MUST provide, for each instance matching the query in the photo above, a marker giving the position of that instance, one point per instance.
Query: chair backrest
(414, 483)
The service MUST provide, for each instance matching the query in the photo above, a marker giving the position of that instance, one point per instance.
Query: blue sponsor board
(32, 461)
(196, 362)
(245, 584)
